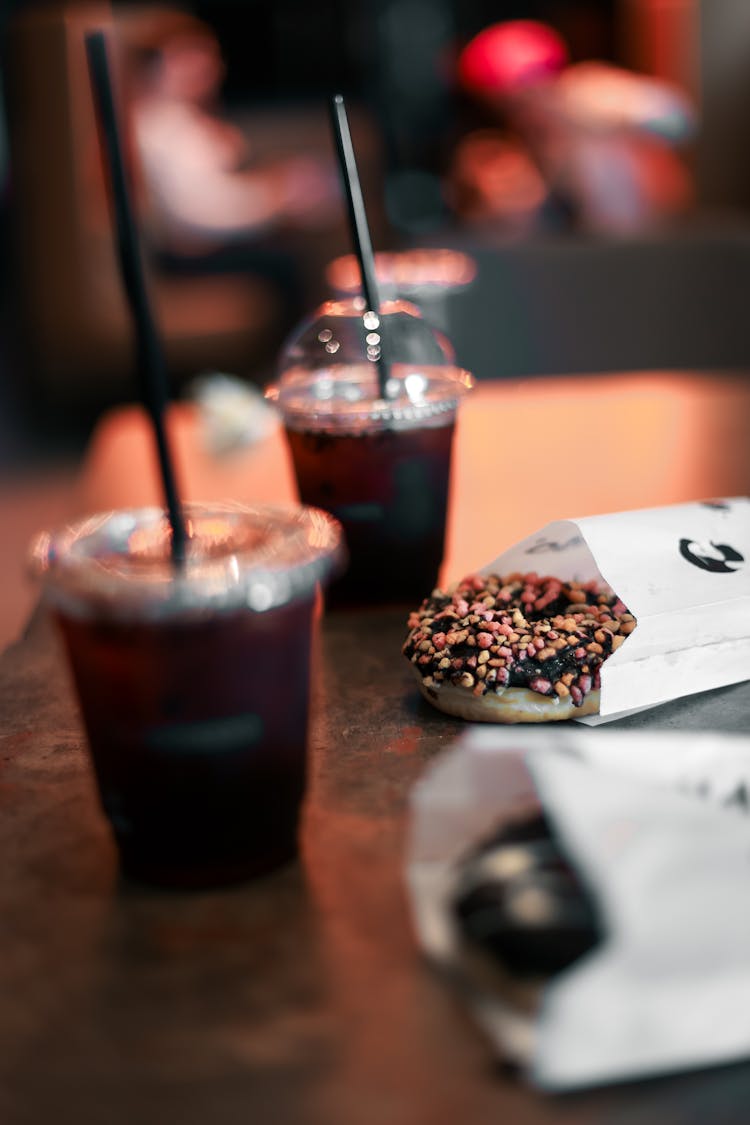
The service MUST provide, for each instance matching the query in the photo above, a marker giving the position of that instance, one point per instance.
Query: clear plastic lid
(347, 368)
(118, 564)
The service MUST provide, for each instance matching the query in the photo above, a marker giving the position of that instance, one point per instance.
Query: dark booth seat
(560, 304)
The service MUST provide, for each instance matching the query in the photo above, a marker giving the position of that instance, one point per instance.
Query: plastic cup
(379, 463)
(193, 685)
(429, 276)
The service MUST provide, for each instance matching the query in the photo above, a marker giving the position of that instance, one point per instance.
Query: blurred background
(589, 154)
(587, 158)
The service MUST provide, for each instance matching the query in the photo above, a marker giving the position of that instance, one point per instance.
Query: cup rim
(300, 411)
(408, 270)
(92, 567)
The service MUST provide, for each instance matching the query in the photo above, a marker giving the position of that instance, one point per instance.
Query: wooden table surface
(302, 998)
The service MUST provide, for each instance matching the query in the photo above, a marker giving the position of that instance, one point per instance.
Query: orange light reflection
(526, 452)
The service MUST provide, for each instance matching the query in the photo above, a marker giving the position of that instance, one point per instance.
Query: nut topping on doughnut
(520, 630)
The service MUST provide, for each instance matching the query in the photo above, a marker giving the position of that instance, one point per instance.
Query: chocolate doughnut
(522, 912)
(516, 648)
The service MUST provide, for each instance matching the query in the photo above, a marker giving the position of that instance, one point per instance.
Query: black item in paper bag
(520, 902)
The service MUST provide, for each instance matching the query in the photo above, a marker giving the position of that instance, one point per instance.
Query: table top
(298, 998)
(302, 997)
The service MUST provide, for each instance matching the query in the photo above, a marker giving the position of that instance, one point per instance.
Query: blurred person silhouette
(207, 204)
(588, 145)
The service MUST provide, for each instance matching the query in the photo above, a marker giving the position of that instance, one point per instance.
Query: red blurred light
(511, 54)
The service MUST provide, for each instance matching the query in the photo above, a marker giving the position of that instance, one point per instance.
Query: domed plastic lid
(117, 565)
(330, 370)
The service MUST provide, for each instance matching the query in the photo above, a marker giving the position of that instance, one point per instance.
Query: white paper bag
(658, 825)
(683, 571)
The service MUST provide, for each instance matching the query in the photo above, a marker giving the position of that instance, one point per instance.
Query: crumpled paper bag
(658, 825)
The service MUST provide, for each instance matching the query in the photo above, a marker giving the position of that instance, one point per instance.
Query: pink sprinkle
(545, 599)
(580, 654)
(503, 650)
(584, 683)
(539, 643)
(484, 640)
(576, 695)
(506, 630)
(530, 650)
(438, 639)
(538, 683)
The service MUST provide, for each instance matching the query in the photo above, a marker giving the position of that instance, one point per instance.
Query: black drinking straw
(150, 361)
(358, 222)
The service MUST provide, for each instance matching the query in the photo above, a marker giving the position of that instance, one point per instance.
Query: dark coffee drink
(389, 489)
(194, 684)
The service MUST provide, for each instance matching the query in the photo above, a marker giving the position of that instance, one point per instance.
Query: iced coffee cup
(193, 684)
(374, 450)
